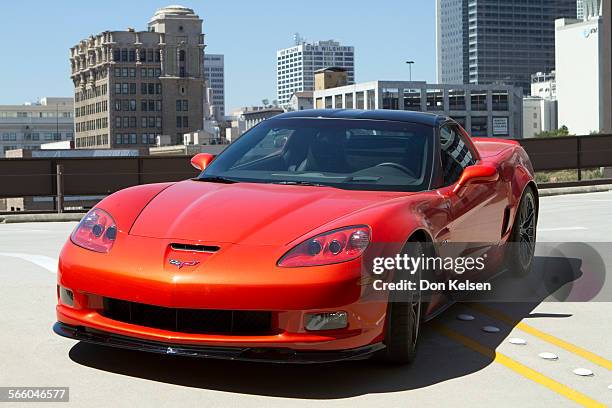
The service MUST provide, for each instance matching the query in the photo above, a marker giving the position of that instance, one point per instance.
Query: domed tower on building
(133, 86)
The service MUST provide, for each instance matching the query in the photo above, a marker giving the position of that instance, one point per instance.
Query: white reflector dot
(548, 356)
(490, 329)
(465, 317)
(583, 372)
(518, 341)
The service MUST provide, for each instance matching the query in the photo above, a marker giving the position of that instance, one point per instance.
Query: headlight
(96, 231)
(331, 247)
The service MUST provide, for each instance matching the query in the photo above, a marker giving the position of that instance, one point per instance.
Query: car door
(477, 209)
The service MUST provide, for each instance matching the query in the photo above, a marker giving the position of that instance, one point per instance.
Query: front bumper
(273, 355)
(134, 275)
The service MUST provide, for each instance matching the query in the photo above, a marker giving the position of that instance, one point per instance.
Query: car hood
(247, 213)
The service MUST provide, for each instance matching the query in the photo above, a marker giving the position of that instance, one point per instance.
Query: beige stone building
(132, 86)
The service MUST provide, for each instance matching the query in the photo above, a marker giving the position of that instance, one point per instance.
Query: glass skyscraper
(497, 41)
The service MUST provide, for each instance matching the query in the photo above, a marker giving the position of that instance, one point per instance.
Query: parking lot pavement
(458, 363)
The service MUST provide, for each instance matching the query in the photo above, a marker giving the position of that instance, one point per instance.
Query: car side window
(455, 154)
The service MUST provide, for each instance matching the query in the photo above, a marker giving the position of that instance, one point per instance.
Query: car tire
(519, 255)
(403, 320)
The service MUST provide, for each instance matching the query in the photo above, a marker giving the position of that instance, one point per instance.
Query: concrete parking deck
(458, 363)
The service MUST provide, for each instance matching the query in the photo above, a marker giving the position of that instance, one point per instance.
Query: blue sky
(35, 37)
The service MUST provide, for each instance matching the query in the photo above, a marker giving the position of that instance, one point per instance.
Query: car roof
(424, 118)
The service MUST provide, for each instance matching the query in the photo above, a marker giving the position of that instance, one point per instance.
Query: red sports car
(266, 254)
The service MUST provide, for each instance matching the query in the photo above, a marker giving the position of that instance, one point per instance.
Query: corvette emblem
(180, 264)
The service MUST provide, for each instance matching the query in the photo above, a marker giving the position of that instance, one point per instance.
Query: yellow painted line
(519, 368)
(579, 351)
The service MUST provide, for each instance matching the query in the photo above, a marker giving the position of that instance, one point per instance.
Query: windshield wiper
(217, 179)
(299, 183)
(367, 179)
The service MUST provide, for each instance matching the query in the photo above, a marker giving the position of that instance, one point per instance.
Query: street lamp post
(410, 68)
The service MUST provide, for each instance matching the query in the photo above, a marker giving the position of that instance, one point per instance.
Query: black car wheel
(523, 236)
(404, 314)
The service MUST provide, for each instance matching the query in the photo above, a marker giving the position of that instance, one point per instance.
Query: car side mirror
(201, 160)
(476, 174)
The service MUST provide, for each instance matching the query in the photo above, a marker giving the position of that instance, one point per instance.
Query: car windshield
(354, 154)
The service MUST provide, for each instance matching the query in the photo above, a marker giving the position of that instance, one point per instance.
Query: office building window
(479, 126)
(479, 101)
(348, 101)
(435, 100)
(390, 98)
(328, 102)
(359, 100)
(456, 100)
(500, 100)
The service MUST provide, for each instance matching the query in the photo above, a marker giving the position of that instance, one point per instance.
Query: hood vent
(194, 248)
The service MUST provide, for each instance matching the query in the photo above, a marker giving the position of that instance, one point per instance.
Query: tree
(562, 131)
(265, 102)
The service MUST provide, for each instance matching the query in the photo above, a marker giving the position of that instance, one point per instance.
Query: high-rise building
(214, 73)
(494, 41)
(606, 39)
(132, 86)
(296, 65)
(587, 9)
(451, 42)
(581, 86)
(30, 125)
(580, 9)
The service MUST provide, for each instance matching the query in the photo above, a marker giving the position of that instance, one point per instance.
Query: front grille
(198, 321)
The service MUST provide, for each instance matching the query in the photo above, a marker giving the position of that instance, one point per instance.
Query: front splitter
(257, 354)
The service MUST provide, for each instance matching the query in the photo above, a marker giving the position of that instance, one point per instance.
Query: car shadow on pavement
(439, 358)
